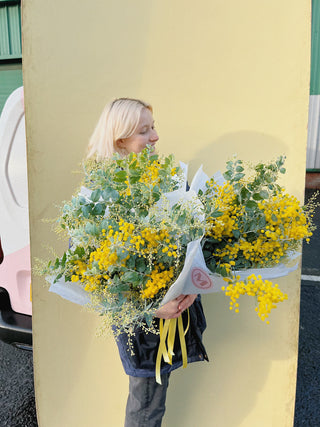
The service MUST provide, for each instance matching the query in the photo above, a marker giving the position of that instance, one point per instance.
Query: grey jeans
(146, 401)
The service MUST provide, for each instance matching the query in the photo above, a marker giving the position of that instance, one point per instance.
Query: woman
(126, 125)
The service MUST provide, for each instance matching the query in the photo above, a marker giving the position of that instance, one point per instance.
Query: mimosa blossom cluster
(129, 244)
(266, 293)
(129, 248)
(252, 223)
(125, 250)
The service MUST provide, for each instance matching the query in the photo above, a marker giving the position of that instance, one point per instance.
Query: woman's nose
(154, 136)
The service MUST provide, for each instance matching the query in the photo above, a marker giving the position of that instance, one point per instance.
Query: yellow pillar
(224, 78)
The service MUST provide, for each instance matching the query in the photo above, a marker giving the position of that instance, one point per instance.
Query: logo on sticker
(201, 279)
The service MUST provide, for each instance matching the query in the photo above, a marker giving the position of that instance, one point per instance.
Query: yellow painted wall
(223, 77)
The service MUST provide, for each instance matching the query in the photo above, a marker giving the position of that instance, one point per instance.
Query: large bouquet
(253, 232)
(138, 239)
(252, 223)
(128, 239)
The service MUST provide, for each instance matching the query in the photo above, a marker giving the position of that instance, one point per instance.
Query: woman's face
(145, 134)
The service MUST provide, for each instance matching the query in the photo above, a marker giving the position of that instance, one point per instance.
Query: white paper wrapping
(86, 193)
(71, 291)
(195, 277)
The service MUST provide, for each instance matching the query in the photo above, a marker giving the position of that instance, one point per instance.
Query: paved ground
(307, 411)
(17, 407)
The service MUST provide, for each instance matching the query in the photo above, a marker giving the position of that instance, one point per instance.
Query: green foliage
(238, 230)
(125, 191)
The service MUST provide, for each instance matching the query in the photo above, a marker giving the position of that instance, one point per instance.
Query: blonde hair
(118, 120)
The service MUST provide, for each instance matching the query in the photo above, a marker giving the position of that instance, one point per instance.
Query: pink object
(15, 272)
(201, 279)
(15, 277)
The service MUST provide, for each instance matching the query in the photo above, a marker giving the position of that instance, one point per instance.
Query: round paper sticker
(201, 279)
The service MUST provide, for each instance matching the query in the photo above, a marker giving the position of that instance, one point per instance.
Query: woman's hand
(175, 307)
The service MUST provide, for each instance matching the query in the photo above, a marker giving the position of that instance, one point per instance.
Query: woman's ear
(120, 143)
(121, 147)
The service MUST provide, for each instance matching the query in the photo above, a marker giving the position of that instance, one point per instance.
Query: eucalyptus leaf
(95, 195)
(156, 192)
(140, 264)
(133, 179)
(131, 262)
(122, 253)
(63, 260)
(154, 157)
(264, 194)
(216, 214)
(99, 209)
(227, 175)
(236, 233)
(207, 254)
(222, 271)
(142, 212)
(82, 200)
(86, 210)
(262, 222)
(110, 193)
(131, 277)
(181, 219)
(245, 193)
(212, 265)
(79, 251)
(104, 224)
(257, 196)
(120, 176)
(58, 277)
(148, 318)
(238, 176)
(251, 204)
(122, 287)
(91, 229)
(229, 166)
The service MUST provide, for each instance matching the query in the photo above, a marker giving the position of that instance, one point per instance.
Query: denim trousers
(146, 401)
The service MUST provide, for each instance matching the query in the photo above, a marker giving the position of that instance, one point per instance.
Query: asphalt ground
(17, 403)
(307, 410)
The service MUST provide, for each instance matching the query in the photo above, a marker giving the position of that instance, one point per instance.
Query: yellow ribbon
(167, 336)
(171, 337)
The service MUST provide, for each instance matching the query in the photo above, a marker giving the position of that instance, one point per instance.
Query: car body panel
(15, 268)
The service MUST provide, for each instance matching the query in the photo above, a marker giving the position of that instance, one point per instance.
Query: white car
(15, 270)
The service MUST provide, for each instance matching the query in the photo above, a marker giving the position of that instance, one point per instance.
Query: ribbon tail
(188, 324)
(171, 338)
(182, 342)
(162, 350)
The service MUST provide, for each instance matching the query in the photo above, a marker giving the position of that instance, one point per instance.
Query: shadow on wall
(251, 146)
(252, 350)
